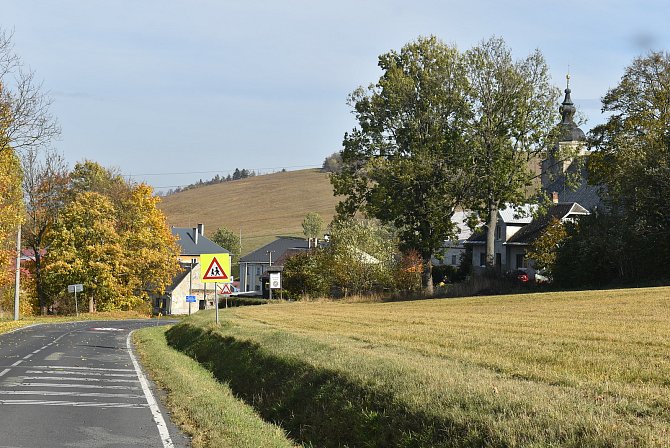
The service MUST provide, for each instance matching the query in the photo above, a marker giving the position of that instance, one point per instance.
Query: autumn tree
(25, 124)
(150, 251)
(404, 163)
(87, 249)
(45, 183)
(511, 120)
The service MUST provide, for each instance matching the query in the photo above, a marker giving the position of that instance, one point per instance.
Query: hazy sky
(159, 87)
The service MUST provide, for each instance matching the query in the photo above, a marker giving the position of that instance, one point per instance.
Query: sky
(172, 91)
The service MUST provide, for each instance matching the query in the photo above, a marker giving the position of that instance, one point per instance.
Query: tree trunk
(91, 304)
(426, 275)
(491, 235)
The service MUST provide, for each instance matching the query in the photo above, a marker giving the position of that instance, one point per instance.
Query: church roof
(568, 129)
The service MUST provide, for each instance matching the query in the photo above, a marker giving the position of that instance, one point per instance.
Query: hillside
(261, 207)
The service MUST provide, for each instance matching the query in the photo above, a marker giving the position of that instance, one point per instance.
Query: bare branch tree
(29, 123)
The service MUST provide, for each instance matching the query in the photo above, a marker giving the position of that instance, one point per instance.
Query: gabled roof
(532, 231)
(278, 247)
(188, 246)
(178, 279)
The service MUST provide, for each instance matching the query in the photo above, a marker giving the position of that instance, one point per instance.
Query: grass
(6, 324)
(204, 408)
(589, 368)
(261, 207)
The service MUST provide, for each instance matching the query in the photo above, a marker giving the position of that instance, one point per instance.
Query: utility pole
(17, 282)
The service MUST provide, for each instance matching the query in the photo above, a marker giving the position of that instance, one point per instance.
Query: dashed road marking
(76, 404)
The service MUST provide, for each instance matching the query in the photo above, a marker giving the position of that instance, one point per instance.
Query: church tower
(570, 138)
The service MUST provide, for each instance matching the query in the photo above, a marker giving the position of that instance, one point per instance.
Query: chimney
(195, 235)
(554, 197)
(201, 229)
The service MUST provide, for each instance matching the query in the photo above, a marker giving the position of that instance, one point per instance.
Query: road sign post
(190, 300)
(215, 268)
(75, 289)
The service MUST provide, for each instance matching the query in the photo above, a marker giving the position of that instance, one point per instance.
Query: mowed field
(261, 207)
(588, 368)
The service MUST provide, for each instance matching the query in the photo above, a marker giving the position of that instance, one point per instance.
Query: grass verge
(201, 406)
(588, 368)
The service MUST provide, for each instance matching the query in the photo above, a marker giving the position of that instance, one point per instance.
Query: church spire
(567, 108)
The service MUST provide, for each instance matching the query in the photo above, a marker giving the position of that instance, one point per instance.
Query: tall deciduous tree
(632, 157)
(512, 118)
(312, 225)
(45, 183)
(403, 163)
(150, 250)
(87, 249)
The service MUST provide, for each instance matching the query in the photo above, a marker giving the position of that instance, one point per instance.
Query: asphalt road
(79, 385)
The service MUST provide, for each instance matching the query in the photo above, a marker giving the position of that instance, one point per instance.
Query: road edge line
(151, 401)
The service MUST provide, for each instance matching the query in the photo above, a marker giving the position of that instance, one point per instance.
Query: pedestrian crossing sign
(215, 268)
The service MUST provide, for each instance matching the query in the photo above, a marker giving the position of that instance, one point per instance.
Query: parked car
(518, 276)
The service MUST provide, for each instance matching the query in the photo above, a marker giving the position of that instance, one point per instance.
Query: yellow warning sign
(215, 268)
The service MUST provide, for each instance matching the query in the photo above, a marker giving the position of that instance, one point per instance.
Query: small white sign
(275, 280)
(75, 288)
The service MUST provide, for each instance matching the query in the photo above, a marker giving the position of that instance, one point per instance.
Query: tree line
(217, 179)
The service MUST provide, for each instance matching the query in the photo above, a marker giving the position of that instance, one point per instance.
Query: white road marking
(76, 404)
(4, 372)
(58, 393)
(38, 350)
(17, 363)
(95, 369)
(79, 372)
(151, 401)
(78, 386)
(28, 356)
(92, 380)
(107, 329)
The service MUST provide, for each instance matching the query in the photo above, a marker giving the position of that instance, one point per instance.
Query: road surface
(79, 385)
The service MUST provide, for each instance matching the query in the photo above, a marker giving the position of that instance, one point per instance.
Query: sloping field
(262, 207)
(557, 369)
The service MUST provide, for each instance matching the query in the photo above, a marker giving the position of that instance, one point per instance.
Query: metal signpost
(75, 289)
(190, 300)
(215, 268)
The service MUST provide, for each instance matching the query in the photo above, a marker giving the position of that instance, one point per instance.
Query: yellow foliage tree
(11, 199)
(87, 249)
(150, 249)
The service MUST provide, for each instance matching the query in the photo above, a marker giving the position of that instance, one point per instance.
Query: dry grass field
(588, 368)
(262, 207)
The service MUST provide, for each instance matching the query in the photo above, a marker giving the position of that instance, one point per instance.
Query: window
(258, 270)
(498, 232)
(482, 259)
(520, 261)
(194, 261)
(453, 260)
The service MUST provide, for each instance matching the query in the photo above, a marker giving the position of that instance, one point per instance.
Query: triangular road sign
(225, 289)
(215, 271)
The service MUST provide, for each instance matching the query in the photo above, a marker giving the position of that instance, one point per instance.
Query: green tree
(511, 120)
(227, 239)
(544, 250)
(405, 162)
(312, 225)
(360, 256)
(632, 154)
